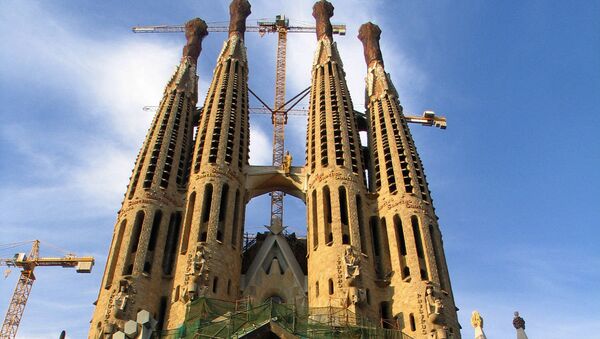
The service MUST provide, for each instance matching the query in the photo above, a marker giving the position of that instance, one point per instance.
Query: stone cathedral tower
(372, 263)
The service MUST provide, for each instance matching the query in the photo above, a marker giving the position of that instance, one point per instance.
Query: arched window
(215, 282)
(152, 242)
(361, 225)
(135, 241)
(328, 217)
(205, 216)
(171, 243)
(331, 287)
(234, 227)
(343, 200)
(115, 255)
(222, 213)
(436, 242)
(419, 246)
(404, 270)
(188, 222)
(315, 220)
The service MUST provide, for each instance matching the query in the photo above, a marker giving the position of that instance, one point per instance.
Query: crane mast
(279, 119)
(21, 294)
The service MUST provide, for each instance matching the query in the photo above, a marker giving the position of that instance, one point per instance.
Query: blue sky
(514, 177)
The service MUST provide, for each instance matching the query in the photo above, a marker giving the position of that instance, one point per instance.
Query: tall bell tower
(336, 186)
(142, 252)
(373, 251)
(209, 257)
(419, 296)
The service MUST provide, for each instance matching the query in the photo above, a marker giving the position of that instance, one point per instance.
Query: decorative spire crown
(322, 12)
(239, 10)
(518, 322)
(195, 31)
(369, 34)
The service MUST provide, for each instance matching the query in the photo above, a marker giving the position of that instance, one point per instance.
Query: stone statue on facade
(352, 264)
(122, 298)
(477, 323)
(287, 163)
(435, 315)
(196, 273)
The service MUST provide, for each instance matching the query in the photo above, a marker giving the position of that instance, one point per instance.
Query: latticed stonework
(336, 186)
(142, 253)
(373, 263)
(209, 260)
(410, 243)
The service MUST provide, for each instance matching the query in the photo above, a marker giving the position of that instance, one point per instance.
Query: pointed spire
(195, 31)
(322, 12)
(369, 34)
(239, 10)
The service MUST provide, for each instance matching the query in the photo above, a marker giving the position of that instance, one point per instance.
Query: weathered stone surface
(375, 250)
(239, 10)
(195, 31)
(322, 12)
(369, 34)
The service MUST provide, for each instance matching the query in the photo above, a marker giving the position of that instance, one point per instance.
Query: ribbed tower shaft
(419, 297)
(209, 255)
(337, 274)
(141, 255)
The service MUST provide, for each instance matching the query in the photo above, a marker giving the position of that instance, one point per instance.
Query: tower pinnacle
(239, 10)
(369, 34)
(195, 31)
(322, 12)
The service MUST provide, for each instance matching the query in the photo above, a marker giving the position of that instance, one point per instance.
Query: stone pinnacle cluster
(373, 246)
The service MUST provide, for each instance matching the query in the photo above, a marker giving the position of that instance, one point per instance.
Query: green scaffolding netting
(212, 318)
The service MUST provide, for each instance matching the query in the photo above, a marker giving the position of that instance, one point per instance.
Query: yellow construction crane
(281, 26)
(428, 118)
(28, 263)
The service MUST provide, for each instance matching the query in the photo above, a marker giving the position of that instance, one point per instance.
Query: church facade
(373, 243)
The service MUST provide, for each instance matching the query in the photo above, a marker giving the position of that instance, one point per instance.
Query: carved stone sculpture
(322, 12)
(122, 298)
(477, 323)
(519, 324)
(476, 319)
(287, 163)
(352, 264)
(196, 274)
(435, 314)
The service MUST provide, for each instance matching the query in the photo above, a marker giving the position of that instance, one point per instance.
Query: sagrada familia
(372, 264)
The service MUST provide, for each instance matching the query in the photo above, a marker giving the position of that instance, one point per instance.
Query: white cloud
(261, 147)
